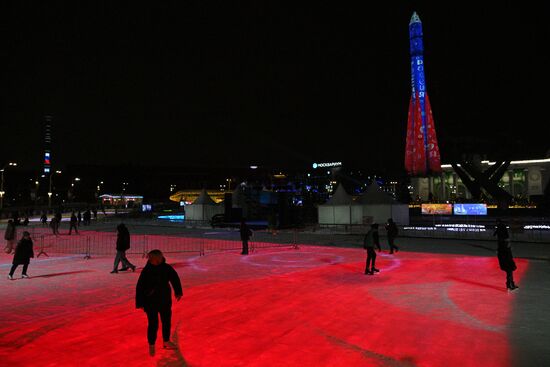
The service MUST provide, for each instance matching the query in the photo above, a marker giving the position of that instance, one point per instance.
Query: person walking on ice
(122, 245)
(154, 296)
(368, 244)
(246, 233)
(73, 224)
(392, 231)
(23, 254)
(10, 236)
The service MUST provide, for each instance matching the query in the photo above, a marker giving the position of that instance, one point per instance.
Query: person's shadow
(61, 274)
(495, 287)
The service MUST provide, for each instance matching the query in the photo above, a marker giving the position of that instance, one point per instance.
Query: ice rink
(434, 303)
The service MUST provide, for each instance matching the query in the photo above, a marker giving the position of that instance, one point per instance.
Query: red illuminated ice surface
(307, 307)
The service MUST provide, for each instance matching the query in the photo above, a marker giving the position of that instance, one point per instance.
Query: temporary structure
(203, 208)
(339, 209)
(379, 206)
(374, 206)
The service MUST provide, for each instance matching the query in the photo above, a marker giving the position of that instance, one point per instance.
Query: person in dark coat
(54, 225)
(87, 217)
(73, 224)
(44, 219)
(58, 217)
(504, 254)
(376, 236)
(10, 235)
(246, 233)
(79, 218)
(154, 296)
(368, 244)
(392, 231)
(122, 245)
(23, 254)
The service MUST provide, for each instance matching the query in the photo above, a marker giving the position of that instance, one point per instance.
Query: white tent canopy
(340, 197)
(374, 206)
(381, 206)
(203, 208)
(339, 209)
(374, 195)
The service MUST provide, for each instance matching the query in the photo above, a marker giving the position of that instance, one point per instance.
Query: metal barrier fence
(464, 231)
(88, 243)
(473, 232)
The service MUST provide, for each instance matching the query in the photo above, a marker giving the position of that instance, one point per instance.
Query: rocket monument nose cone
(415, 19)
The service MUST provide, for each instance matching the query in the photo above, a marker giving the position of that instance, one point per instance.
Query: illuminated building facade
(126, 201)
(188, 196)
(525, 180)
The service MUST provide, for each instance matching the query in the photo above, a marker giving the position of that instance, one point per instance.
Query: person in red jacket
(154, 296)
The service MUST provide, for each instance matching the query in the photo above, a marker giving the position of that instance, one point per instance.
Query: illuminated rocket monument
(421, 151)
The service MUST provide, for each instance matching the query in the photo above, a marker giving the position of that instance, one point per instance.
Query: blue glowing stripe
(175, 217)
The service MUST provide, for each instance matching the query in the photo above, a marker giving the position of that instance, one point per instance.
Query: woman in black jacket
(504, 254)
(154, 296)
(23, 254)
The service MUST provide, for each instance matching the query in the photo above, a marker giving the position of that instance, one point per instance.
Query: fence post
(42, 252)
(88, 255)
(145, 243)
(295, 239)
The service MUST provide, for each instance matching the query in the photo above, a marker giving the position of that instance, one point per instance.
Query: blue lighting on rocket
(418, 80)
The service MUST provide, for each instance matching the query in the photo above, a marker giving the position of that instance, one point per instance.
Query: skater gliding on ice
(154, 296)
(368, 244)
(23, 254)
(392, 230)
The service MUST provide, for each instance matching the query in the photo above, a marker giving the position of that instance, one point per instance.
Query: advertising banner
(470, 209)
(437, 209)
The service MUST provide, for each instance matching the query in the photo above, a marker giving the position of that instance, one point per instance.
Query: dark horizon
(218, 85)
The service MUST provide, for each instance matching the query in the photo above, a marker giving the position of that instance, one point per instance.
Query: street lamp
(73, 188)
(50, 192)
(2, 192)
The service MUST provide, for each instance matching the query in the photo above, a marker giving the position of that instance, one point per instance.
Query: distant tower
(47, 144)
(421, 151)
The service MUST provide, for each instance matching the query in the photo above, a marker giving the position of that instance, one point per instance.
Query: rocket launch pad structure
(422, 151)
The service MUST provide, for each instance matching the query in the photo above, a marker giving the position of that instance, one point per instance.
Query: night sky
(285, 84)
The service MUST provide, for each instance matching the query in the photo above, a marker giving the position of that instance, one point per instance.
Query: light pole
(50, 192)
(37, 183)
(2, 192)
(72, 189)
